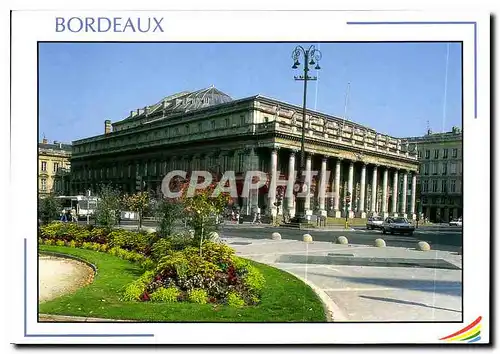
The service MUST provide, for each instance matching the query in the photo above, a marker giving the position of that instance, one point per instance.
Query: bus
(81, 204)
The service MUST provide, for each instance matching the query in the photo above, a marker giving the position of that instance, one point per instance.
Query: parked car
(375, 222)
(456, 222)
(399, 225)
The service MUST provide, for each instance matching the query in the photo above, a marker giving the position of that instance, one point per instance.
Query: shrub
(198, 296)
(254, 280)
(60, 243)
(234, 300)
(160, 248)
(132, 241)
(217, 253)
(148, 264)
(49, 242)
(165, 295)
(72, 244)
(134, 291)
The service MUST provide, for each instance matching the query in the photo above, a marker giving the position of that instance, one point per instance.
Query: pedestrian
(63, 215)
(73, 215)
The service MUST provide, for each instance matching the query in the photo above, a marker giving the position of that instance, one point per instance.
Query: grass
(284, 299)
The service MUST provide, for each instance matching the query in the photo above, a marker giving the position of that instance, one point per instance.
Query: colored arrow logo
(469, 334)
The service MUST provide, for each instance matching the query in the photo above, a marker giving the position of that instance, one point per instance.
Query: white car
(375, 222)
(456, 222)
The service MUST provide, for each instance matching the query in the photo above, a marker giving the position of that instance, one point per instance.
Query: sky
(396, 88)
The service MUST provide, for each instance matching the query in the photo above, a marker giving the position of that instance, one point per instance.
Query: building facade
(208, 130)
(440, 180)
(54, 162)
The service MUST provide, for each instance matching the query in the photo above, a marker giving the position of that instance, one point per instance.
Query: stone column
(395, 180)
(322, 188)
(337, 188)
(362, 192)
(307, 202)
(403, 194)
(272, 185)
(384, 193)
(290, 184)
(350, 183)
(413, 195)
(374, 190)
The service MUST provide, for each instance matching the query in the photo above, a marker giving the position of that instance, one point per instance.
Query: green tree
(138, 202)
(108, 208)
(49, 208)
(204, 208)
(168, 212)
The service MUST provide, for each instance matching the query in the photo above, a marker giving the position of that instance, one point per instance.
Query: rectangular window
(56, 166)
(453, 168)
(445, 153)
(434, 169)
(242, 120)
(44, 166)
(212, 124)
(436, 154)
(444, 186)
(187, 128)
(200, 127)
(44, 184)
(444, 169)
(425, 186)
(434, 185)
(426, 169)
(419, 154)
(226, 122)
(453, 186)
(454, 153)
(427, 154)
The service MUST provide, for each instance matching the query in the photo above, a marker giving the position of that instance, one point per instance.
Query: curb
(42, 317)
(333, 312)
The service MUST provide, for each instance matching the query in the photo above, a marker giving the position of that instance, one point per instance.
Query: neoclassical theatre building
(208, 130)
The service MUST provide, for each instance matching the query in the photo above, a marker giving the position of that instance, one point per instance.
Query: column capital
(324, 158)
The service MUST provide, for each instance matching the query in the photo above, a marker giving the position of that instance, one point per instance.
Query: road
(443, 238)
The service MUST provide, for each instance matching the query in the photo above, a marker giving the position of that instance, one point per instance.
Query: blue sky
(395, 88)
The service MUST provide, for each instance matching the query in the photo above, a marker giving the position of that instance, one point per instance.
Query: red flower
(145, 296)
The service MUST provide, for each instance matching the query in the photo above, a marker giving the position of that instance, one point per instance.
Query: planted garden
(173, 274)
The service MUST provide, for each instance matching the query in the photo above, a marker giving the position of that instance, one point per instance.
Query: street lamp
(311, 57)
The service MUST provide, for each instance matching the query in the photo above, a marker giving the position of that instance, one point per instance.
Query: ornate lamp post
(311, 57)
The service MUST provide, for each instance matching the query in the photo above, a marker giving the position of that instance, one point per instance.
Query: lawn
(284, 299)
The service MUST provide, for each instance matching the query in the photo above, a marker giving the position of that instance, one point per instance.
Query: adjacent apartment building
(54, 168)
(208, 130)
(440, 179)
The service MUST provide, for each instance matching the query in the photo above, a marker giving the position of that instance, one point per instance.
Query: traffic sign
(348, 199)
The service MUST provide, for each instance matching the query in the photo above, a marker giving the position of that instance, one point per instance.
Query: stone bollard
(307, 238)
(423, 246)
(276, 236)
(379, 242)
(342, 240)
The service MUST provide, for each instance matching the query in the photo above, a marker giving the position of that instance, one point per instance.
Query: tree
(168, 212)
(204, 208)
(108, 208)
(138, 202)
(49, 208)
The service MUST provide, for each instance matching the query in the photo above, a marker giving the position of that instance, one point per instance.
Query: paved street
(413, 286)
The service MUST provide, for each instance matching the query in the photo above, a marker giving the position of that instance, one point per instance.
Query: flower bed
(175, 270)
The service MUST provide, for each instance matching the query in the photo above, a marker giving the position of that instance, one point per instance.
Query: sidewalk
(365, 283)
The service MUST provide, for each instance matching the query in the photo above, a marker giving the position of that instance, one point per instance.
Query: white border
(179, 26)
